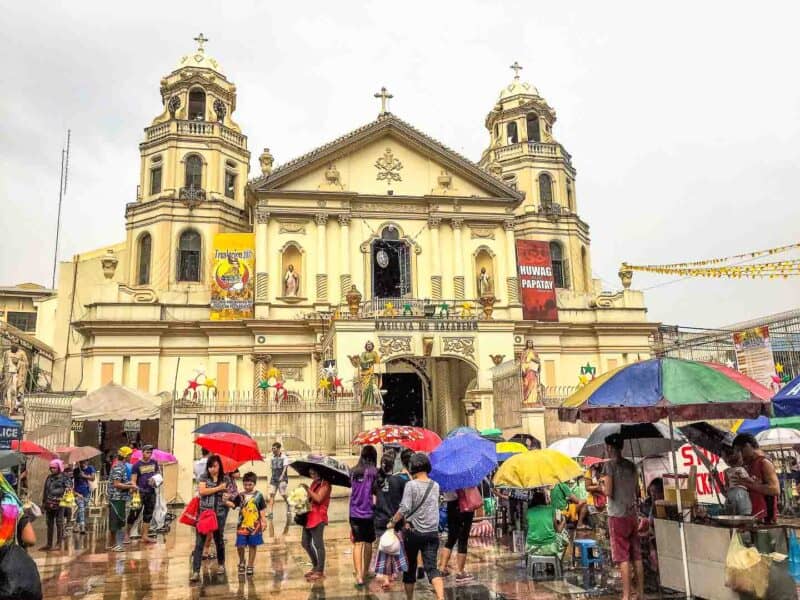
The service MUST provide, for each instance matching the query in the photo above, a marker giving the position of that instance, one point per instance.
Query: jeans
(80, 514)
(314, 545)
(55, 523)
(428, 544)
(458, 527)
(219, 543)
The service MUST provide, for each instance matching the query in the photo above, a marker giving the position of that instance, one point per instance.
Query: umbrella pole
(681, 532)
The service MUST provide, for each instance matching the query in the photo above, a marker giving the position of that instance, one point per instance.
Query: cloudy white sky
(683, 119)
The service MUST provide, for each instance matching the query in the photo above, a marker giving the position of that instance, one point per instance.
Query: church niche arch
(189, 249)
(197, 104)
(144, 253)
(484, 258)
(292, 254)
(390, 262)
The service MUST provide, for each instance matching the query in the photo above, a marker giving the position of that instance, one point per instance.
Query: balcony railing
(542, 149)
(196, 128)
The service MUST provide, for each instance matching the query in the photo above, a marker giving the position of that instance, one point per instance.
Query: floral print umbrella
(387, 434)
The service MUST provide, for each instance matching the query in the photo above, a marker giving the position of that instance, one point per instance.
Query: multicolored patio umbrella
(658, 388)
(388, 434)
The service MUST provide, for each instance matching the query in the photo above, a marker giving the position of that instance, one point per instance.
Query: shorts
(146, 510)
(425, 543)
(278, 488)
(624, 534)
(363, 530)
(737, 501)
(251, 539)
(116, 515)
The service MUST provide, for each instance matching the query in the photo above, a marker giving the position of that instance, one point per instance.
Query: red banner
(536, 283)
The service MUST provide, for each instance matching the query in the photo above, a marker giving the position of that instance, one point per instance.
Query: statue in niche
(370, 381)
(291, 283)
(531, 367)
(15, 374)
(484, 283)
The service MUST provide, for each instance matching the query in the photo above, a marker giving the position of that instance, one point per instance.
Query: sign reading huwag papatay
(536, 283)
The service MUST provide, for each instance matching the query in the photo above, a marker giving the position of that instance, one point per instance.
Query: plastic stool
(587, 548)
(537, 567)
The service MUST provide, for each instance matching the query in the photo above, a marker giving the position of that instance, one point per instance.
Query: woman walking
(319, 493)
(362, 527)
(213, 490)
(388, 494)
(55, 486)
(420, 509)
(459, 523)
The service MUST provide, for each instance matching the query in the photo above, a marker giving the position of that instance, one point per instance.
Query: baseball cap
(147, 447)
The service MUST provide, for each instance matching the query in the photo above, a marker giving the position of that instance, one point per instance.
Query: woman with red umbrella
(213, 490)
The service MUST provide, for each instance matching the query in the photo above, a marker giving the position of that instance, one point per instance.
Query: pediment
(385, 155)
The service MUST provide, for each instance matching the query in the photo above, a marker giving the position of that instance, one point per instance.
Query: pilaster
(321, 220)
(458, 259)
(512, 283)
(436, 262)
(262, 263)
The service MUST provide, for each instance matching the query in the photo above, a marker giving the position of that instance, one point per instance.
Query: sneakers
(118, 548)
(464, 577)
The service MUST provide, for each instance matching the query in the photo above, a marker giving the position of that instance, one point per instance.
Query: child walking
(252, 520)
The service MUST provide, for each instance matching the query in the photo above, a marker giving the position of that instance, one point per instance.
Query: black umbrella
(524, 438)
(641, 439)
(221, 427)
(10, 458)
(708, 437)
(330, 470)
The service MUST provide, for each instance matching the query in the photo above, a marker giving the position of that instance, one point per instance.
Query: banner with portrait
(536, 283)
(232, 270)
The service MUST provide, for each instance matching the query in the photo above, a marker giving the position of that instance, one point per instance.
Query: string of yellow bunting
(716, 267)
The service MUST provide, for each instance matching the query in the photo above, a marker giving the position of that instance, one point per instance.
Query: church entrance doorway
(391, 265)
(403, 400)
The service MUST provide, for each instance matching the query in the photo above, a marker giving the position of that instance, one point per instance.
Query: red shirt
(319, 510)
(757, 499)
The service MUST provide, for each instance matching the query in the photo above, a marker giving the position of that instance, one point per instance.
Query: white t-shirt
(199, 468)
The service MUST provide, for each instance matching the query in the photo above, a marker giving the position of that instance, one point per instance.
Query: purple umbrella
(462, 461)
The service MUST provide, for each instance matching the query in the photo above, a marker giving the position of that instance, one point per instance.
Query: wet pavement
(84, 569)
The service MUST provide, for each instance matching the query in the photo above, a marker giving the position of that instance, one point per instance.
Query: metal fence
(507, 391)
(326, 422)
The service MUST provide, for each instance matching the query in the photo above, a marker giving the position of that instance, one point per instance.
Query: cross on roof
(200, 39)
(384, 96)
(516, 68)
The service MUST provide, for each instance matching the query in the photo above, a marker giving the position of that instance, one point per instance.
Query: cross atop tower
(516, 67)
(200, 39)
(384, 96)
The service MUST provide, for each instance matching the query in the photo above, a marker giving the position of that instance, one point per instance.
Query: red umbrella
(235, 446)
(588, 461)
(427, 443)
(388, 434)
(33, 449)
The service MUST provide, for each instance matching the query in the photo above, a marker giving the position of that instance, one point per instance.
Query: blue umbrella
(754, 426)
(220, 427)
(786, 403)
(463, 431)
(462, 461)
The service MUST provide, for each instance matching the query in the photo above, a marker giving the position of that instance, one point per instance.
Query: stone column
(261, 362)
(262, 262)
(458, 259)
(512, 284)
(436, 259)
(345, 279)
(533, 423)
(322, 262)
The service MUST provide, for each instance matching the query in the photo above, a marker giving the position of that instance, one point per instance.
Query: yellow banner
(233, 270)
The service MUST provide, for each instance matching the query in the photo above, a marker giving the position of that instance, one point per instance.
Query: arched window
(390, 232)
(197, 105)
(511, 133)
(545, 190)
(559, 265)
(145, 251)
(194, 172)
(189, 256)
(533, 128)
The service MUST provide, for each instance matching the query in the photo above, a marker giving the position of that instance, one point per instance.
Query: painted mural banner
(536, 283)
(754, 354)
(232, 269)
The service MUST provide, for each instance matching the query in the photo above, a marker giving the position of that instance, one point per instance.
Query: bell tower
(523, 153)
(194, 166)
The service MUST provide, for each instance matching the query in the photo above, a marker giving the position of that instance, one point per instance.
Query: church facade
(383, 235)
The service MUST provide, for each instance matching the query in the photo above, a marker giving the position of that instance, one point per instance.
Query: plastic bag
(389, 543)
(159, 512)
(746, 571)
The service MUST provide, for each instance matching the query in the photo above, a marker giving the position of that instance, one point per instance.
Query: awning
(114, 402)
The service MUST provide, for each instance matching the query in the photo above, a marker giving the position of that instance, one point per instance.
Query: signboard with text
(536, 284)
(705, 484)
(754, 354)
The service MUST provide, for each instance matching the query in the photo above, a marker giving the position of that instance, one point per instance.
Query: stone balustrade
(198, 128)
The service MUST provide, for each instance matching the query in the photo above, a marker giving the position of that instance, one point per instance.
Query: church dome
(517, 87)
(198, 58)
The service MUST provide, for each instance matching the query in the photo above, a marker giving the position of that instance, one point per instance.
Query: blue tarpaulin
(786, 403)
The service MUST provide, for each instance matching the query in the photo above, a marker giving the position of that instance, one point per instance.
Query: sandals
(249, 571)
(241, 569)
(464, 577)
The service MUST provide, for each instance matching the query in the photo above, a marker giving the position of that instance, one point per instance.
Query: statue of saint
(291, 283)
(484, 283)
(15, 373)
(370, 381)
(531, 367)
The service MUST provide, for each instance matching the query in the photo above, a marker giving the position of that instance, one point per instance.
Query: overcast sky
(683, 119)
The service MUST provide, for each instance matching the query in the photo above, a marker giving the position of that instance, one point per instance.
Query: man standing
(762, 485)
(83, 474)
(279, 478)
(619, 485)
(119, 492)
(142, 476)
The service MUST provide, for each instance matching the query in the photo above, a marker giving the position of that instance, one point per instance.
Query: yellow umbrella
(537, 468)
(510, 448)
